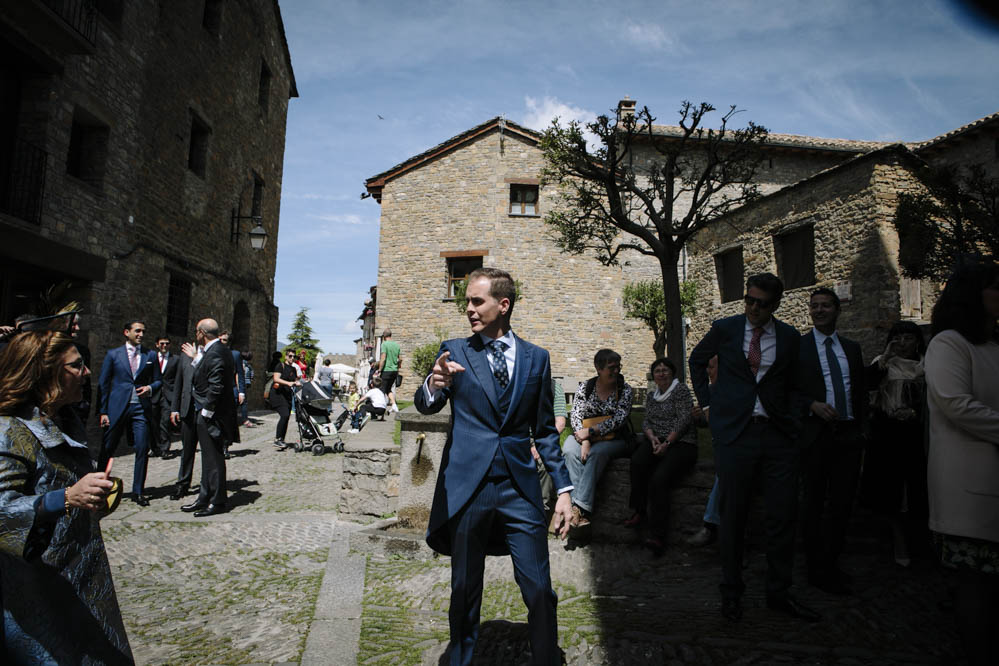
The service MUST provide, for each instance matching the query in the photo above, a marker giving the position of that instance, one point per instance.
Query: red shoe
(635, 520)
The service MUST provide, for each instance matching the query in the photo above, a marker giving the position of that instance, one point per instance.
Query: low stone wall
(370, 486)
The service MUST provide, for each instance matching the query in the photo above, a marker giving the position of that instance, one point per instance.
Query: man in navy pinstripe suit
(488, 499)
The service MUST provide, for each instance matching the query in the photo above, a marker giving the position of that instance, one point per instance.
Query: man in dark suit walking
(129, 375)
(488, 499)
(182, 413)
(162, 398)
(212, 386)
(833, 409)
(754, 429)
(238, 389)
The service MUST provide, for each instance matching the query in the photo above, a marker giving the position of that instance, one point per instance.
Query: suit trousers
(761, 453)
(189, 444)
(653, 477)
(160, 427)
(136, 421)
(830, 469)
(497, 504)
(212, 465)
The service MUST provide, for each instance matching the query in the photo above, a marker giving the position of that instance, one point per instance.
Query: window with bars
(178, 306)
(523, 199)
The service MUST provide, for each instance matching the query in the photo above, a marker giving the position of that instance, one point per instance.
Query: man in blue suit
(129, 375)
(754, 430)
(239, 387)
(488, 499)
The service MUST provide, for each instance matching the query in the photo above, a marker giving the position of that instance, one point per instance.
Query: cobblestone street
(271, 582)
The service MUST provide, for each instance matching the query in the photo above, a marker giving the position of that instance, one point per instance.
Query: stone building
(140, 143)
(474, 200)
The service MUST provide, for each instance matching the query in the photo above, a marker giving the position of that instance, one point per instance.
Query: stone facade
(157, 123)
(855, 246)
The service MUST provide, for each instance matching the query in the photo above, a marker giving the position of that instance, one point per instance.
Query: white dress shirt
(768, 353)
(844, 367)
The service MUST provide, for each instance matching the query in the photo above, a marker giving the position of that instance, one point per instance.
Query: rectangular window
(264, 92)
(211, 20)
(178, 306)
(523, 199)
(88, 148)
(795, 253)
(459, 266)
(728, 268)
(197, 154)
(258, 196)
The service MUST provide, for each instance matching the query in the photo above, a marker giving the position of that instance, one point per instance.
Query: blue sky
(871, 70)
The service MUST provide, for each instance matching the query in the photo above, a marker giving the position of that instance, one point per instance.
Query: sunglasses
(759, 302)
(77, 365)
(62, 322)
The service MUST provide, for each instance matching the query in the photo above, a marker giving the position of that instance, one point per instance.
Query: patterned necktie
(133, 359)
(755, 354)
(162, 362)
(836, 375)
(499, 362)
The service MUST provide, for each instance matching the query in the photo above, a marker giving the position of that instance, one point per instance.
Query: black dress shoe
(193, 506)
(793, 608)
(732, 609)
(141, 500)
(178, 493)
(210, 510)
(830, 584)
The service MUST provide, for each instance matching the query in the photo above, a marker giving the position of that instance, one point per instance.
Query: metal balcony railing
(22, 183)
(81, 15)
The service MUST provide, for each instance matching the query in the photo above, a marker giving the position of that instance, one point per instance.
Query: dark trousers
(653, 477)
(189, 444)
(282, 406)
(760, 454)
(376, 412)
(498, 505)
(135, 420)
(160, 427)
(212, 465)
(830, 469)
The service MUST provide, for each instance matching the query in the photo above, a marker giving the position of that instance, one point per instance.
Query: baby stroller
(313, 418)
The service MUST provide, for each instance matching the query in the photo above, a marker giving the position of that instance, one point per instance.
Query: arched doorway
(240, 337)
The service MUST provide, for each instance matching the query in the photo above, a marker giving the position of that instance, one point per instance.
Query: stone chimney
(625, 108)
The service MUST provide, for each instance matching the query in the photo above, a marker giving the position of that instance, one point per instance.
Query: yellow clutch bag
(114, 495)
(593, 421)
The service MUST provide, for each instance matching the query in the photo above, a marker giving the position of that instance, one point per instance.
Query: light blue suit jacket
(478, 429)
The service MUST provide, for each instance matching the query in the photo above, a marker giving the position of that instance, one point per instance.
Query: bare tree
(609, 201)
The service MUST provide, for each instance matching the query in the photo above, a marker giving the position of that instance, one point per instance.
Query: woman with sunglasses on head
(59, 600)
(894, 481)
(284, 377)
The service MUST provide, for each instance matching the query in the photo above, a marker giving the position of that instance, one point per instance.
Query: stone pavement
(272, 581)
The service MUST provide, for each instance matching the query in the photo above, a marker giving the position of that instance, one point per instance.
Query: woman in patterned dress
(667, 450)
(59, 603)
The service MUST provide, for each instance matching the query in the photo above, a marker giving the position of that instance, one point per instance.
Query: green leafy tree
(302, 336)
(609, 203)
(645, 301)
(422, 358)
(956, 219)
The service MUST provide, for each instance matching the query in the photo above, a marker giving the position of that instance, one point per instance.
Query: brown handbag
(593, 421)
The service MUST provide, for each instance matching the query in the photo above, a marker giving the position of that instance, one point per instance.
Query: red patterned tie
(755, 355)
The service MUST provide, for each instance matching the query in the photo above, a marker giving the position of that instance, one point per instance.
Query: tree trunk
(659, 346)
(674, 314)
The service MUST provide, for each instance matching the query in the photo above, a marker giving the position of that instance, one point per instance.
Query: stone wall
(370, 487)
(150, 216)
(856, 247)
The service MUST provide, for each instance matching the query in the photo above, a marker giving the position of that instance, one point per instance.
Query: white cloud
(339, 218)
(648, 36)
(540, 114)
(351, 327)
(322, 197)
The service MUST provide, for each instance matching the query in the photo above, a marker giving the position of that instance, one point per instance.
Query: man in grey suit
(182, 413)
(212, 393)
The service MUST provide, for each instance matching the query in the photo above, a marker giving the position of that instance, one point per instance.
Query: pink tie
(755, 354)
(133, 359)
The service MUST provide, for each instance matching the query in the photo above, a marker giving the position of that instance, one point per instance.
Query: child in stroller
(312, 413)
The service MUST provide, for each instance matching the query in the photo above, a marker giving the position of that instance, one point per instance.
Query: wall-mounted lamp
(258, 235)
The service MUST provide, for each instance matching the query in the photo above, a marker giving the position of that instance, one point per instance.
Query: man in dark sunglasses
(754, 430)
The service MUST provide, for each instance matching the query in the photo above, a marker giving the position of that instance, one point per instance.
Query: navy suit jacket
(116, 381)
(237, 362)
(811, 386)
(733, 396)
(478, 429)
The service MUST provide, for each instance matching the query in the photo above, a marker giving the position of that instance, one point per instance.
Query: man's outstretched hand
(563, 515)
(444, 371)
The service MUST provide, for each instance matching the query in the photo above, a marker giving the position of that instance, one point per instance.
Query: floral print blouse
(671, 415)
(617, 405)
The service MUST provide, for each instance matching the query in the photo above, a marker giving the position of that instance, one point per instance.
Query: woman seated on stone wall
(601, 431)
(667, 450)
